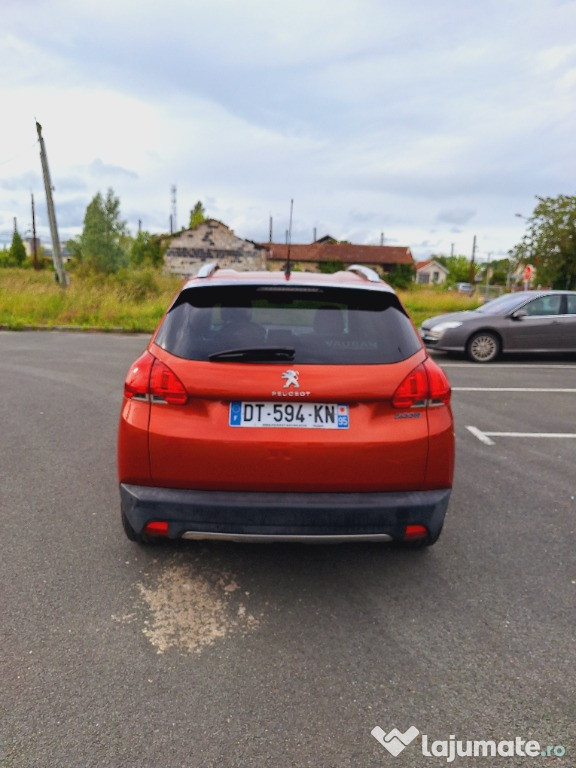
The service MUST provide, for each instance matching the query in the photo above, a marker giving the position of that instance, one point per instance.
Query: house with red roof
(211, 240)
(328, 252)
(430, 272)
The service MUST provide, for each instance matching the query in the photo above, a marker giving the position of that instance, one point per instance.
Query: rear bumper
(284, 516)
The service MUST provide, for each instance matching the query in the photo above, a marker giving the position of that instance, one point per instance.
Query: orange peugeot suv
(286, 406)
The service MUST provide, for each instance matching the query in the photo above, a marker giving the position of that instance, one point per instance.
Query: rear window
(339, 326)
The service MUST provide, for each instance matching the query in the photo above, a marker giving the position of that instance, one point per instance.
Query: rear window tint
(340, 326)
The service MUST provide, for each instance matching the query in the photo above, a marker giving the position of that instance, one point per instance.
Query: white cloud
(375, 117)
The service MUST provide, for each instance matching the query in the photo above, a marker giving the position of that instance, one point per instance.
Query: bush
(402, 277)
(137, 285)
(6, 260)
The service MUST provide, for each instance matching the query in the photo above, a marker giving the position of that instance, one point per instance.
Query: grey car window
(502, 305)
(338, 326)
(545, 305)
(571, 308)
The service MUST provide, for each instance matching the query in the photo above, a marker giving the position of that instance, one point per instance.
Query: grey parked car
(531, 321)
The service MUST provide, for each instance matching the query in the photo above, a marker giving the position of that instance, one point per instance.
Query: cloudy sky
(430, 122)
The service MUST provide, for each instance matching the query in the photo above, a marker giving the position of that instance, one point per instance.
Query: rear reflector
(156, 528)
(415, 532)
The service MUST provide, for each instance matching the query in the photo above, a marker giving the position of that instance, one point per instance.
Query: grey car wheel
(483, 347)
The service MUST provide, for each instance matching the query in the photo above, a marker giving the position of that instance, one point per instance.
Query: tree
(550, 242)
(74, 248)
(197, 215)
(401, 277)
(147, 250)
(458, 268)
(329, 267)
(499, 270)
(17, 252)
(102, 246)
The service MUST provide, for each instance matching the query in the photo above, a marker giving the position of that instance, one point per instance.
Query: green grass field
(131, 301)
(136, 301)
(425, 302)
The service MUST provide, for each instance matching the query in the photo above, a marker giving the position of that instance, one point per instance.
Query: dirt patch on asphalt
(189, 611)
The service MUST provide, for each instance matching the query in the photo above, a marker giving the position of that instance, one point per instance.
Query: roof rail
(207, 270)
(365, 272)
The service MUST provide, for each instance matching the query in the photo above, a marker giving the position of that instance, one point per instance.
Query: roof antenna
(287, 268)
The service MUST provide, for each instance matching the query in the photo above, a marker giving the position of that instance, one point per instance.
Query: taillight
(165, 386)
(138, 378)
(440, 390)
(151, 380)
(413, 392)
(426, 385)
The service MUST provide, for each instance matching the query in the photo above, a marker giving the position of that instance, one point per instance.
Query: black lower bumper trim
(345, 515)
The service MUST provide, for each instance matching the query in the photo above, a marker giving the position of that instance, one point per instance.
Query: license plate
(303, 415)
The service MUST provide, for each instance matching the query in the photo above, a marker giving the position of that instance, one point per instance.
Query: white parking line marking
(486, 437)
(512, 389)
(480, 435)
(533, 434)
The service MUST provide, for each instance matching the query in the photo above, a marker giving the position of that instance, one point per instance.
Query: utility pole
(174, 214)
(488, 272)
(472, 273)
(34, 241)
(56, 255)
(288, 268)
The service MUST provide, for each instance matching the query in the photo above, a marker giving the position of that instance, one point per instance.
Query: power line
(20, 154)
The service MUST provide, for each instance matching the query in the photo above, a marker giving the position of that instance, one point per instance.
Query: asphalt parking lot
(230, 655)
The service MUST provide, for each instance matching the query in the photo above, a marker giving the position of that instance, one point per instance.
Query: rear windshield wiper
(254, 354)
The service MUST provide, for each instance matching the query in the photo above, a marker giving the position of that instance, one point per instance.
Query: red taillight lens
(151, 379)
(425, 385)
(413, 532)
(156, 528)
(165, 386)
(438, 383)
(413, 392)
(138, 378)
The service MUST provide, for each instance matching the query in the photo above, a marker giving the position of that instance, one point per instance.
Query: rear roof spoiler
(369, 274)
(207, 270)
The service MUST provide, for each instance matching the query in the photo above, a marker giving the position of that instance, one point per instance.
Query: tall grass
(422, 303)
(130, 301)
(136, 300)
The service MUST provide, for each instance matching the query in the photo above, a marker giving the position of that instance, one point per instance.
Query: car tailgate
(195, 446)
